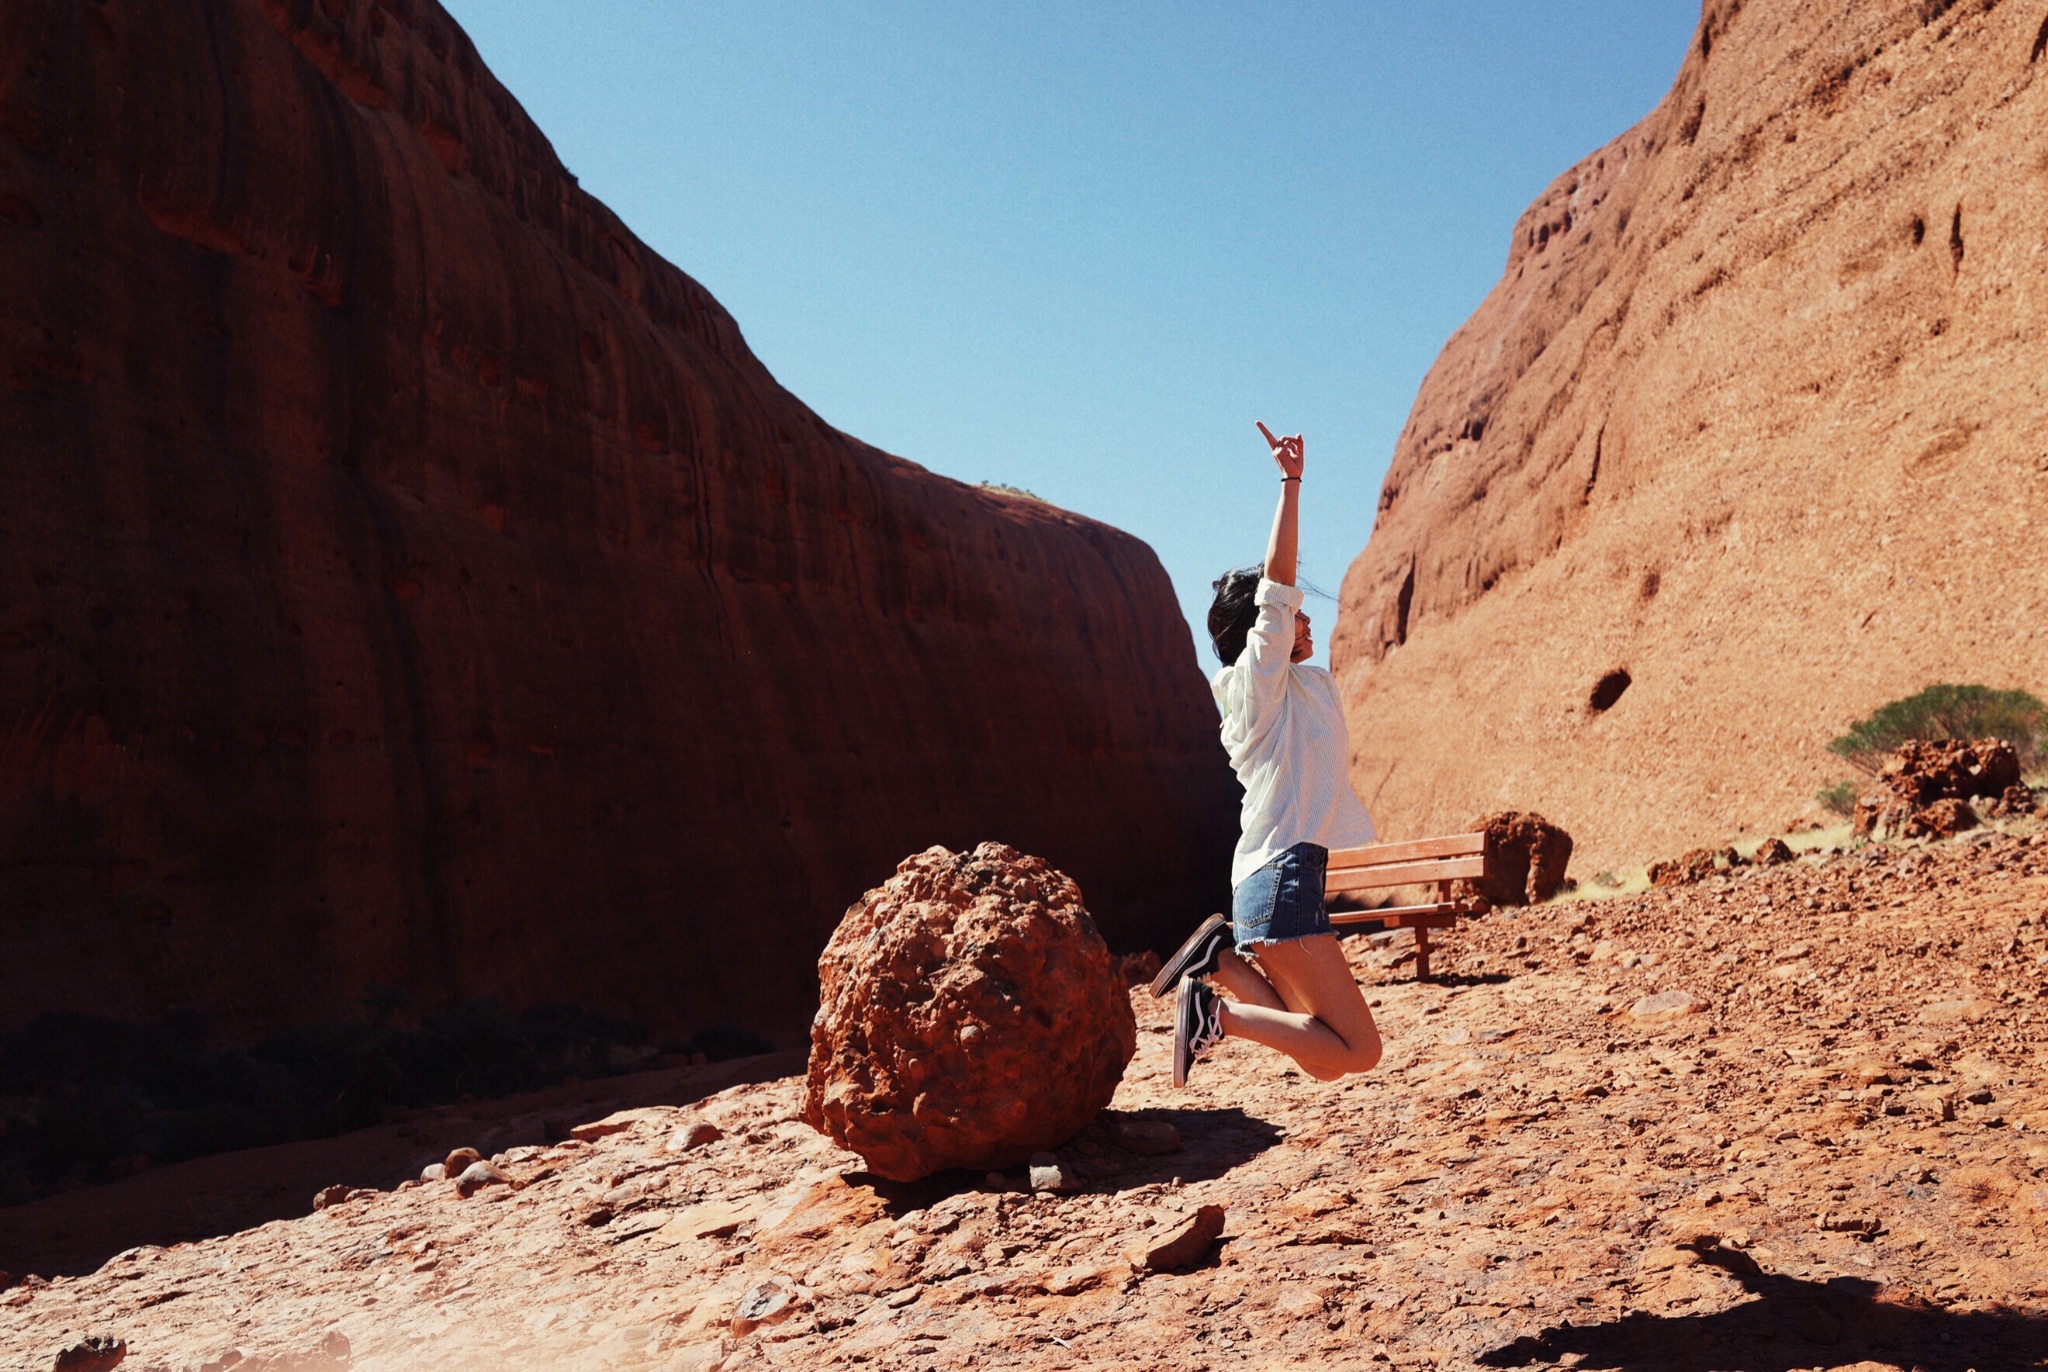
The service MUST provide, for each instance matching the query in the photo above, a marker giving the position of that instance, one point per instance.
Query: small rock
(771, 1302)
(1771, 853)
(97, 1354)
(1666, 1005)
(478, 1175)
(434, 1171)
(330, 1195)
(1942, 819)
(1183, 1245)
(694, 1135)
(896, 1300)
(1697, 865)
(1152, 1138)
(1980, 1096)
(1849, 1224)
(604, 1128)
(459, 1160)
(1049, 1174)
(1072, 1281)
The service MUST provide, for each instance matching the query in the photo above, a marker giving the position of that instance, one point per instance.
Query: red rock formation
(971, 1016)
(412, 579)
(1925, 787)
(1528, 856)
(1745, 443)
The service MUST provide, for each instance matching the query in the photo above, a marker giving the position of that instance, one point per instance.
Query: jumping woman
(1289, 987)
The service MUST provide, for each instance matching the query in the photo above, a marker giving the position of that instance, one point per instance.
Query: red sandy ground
(1836, 1162)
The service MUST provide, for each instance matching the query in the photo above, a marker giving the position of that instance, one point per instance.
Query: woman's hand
(1280, 545)
(1286, 451)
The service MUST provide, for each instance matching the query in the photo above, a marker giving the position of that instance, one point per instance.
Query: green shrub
(1939, 712)
(1839, 798)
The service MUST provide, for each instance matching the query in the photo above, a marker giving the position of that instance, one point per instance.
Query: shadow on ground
(1213, 1142)
(72, 1234)
(1470, 979)
(1791, 1324)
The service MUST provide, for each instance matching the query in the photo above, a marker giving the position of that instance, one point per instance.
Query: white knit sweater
(1286, 737)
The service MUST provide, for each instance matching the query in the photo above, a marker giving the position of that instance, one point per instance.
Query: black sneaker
(1197, 1027)
(1197, 957)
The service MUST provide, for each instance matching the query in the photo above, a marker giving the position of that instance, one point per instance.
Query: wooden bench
(1420, 862)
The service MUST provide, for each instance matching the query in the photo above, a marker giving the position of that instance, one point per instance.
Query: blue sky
(1079, 248)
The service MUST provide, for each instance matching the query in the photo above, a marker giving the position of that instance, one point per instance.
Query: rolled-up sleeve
(1269, 647)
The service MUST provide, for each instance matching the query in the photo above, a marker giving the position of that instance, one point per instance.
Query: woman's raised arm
(1284, 544)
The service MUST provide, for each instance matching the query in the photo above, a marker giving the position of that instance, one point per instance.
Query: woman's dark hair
(1234, 611)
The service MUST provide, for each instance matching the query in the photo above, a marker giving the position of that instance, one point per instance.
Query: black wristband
(1285, 479)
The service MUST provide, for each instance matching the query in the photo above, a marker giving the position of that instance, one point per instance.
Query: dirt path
(1835, 1160)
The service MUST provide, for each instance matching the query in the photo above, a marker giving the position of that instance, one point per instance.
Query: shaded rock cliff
(407, 579)
(1747, 442)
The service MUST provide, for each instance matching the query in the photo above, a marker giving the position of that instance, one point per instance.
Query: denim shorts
(1281, 901)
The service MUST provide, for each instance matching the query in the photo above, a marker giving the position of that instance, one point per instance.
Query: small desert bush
(1839, 798)
(1946, 712)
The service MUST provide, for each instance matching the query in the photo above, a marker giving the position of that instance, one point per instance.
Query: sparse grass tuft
(1839, 799)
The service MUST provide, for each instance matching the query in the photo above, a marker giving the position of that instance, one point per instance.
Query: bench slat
(1380, 854)
(1439, 916)
(1404, 874)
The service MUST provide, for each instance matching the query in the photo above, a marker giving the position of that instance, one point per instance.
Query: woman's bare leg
(1325, 1026)
(1243, 981)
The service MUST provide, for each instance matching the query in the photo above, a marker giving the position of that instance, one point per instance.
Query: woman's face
(1304, 641)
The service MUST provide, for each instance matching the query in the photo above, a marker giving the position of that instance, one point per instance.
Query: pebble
(1181, 1245)
(694, 1135)
(771, 1302)
(330, 1195)
(1048, 1173)
(1666, 1005)
(456, 1162)
(480, 1174)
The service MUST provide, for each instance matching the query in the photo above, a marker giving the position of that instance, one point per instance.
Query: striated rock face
(1745, 443)
(970, 1016)
(411, 580)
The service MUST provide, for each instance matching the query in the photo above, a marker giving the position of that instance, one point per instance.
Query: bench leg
(1422, 955)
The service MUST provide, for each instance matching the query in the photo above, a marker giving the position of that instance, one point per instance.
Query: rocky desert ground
(1782, 1117)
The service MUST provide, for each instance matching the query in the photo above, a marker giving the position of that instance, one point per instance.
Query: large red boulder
(412, 580)
(1526, 858)
(970, 1016)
